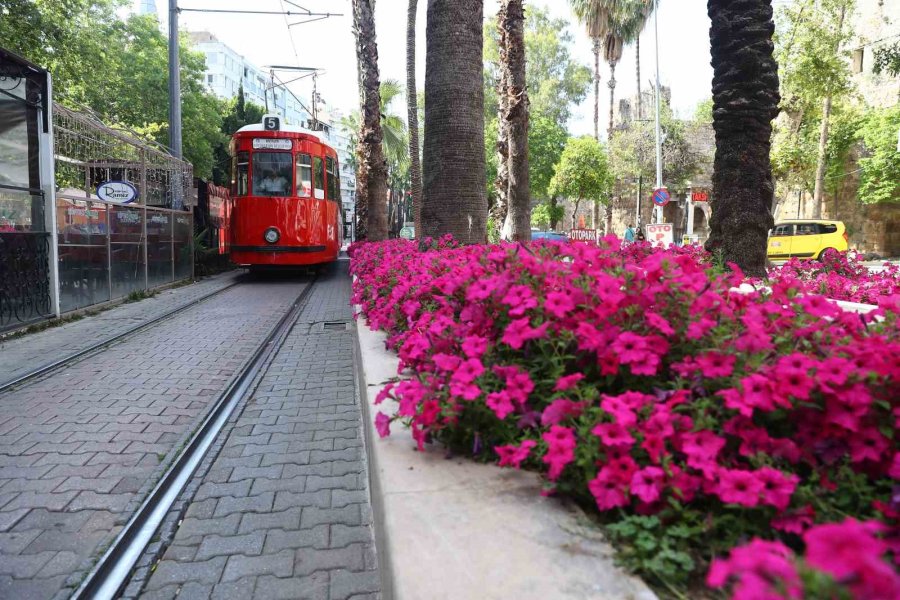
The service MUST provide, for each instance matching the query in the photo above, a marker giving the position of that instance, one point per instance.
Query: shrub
(691, 417)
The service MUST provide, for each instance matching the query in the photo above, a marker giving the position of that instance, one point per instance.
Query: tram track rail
(113, 570)
(75, 356)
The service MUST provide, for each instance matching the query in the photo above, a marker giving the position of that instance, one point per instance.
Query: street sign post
(583, 235)
(661, 234)
(661, 196)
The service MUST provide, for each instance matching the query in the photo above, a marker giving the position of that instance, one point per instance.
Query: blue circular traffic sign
(661, 196)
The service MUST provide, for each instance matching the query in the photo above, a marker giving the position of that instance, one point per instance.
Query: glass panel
(81, 222)
(18, 134)
(20, 211)
(329, 169)
(159, 248)
(304, 175)
(319, 172)
(83, 276)
(241, 178)
(807, 229)
(184, 257)
(126, 250)
(272, 173)
(827, 228)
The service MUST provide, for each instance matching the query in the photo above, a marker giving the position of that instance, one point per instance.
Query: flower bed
(693, 419)
(840, 277)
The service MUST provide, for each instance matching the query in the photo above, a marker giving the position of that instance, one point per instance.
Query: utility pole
(315, 102)
(659, 177)
(174, 82)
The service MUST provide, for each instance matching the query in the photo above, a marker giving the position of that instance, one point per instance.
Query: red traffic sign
(661, 196)
(700, 196)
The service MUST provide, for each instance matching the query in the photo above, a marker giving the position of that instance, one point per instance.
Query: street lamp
(659, 177)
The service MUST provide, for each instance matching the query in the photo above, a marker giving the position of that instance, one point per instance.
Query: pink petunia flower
(513, 456)
(760, 570)
(568, 382)
(560, 450)
(613, 434)
(560, 410)
(777, 487)
(559, 304)
(716, 364)
(520, 331)
(608, 491)
(500, 403)
(735, 486)
(647, 483)
(383, 424)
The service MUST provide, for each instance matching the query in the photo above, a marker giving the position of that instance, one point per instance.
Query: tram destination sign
(272, 144)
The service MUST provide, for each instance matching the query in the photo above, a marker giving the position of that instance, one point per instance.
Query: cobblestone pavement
(82, 447)
(24, 354)
(284, 509)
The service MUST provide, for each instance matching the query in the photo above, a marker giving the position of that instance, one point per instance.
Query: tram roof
(284, 129)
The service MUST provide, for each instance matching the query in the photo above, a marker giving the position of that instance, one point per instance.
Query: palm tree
(517, 226)
(594, 14)
(371, 179)
(625, 25)
(745, 101)
(412, 115)
(454, 179)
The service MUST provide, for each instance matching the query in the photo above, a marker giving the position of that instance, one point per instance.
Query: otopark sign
(661, 196)
(583, 235)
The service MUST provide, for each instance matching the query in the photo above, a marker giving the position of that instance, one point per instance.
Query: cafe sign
(120, 192)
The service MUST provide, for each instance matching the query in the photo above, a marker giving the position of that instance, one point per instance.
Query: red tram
(286, 191)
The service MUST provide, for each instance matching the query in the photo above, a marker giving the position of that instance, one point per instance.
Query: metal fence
(107, 250)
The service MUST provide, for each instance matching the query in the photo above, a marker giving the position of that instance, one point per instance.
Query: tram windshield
(272, 173)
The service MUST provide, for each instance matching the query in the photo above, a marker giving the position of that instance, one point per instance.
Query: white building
(877, 25)
(226, 71)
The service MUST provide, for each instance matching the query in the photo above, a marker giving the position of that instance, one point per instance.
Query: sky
(329, 45)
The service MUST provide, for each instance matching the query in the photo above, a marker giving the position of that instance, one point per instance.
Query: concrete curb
(452, 528)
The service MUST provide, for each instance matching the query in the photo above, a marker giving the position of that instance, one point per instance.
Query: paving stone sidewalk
(23, 354)
(81, 448)
(284, 509)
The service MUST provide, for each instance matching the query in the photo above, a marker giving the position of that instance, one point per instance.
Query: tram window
(272, 173)
(304, 175)
(332, 178)
(319, 173)
(240, 177)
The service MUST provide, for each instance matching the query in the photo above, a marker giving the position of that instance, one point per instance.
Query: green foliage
(880, 174)
(546, 141)
(887, 60)
(583, 171)
(648, 545)
(493, 231)
(236, 113)
(633, 151)
(116, 68)
(546, 214)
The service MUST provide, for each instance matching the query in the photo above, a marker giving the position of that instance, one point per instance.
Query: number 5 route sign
(661, 196)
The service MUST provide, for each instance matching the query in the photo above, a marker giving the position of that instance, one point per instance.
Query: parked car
(807, 239)
(549, 235)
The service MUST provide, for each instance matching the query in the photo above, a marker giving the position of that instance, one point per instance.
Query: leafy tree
(887, 60)
(815, 80)
(237, 113)
(546, 141)
(556, 81)
(546, 214)
(633, 150)
(880, 175)
(583, 173)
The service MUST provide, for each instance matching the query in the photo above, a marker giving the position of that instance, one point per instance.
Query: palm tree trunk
(501, 183)
(518, 219)
(454, 162)
(637, 69)
(597, 48)
(745, 100)
(372, 164)
(612, 97)
(412, 114)
(819, 190)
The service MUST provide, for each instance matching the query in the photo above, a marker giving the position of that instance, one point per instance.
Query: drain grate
(334, 326)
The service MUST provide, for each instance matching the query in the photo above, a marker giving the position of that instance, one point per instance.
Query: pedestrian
(629, 233)
(640, 235)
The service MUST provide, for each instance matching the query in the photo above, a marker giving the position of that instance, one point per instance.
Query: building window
(857, 60)
(211, 79)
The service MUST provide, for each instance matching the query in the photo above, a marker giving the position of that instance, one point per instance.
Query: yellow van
(807, 239)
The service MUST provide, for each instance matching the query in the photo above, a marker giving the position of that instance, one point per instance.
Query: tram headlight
(272, 235)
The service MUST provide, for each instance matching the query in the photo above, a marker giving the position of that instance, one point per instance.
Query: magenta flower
(560, 450)
(500, 403)
(474, 346)
(520, 331)
(513, 456)
(519, 298)
(383, 424)
(631, 347)
(715, 364)
(777, 487)
(647, 484)
(559, 410)
(738, 487)
(760, 570)
(608, 491)
(613, 434)
(559, 304)
(568, 382)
